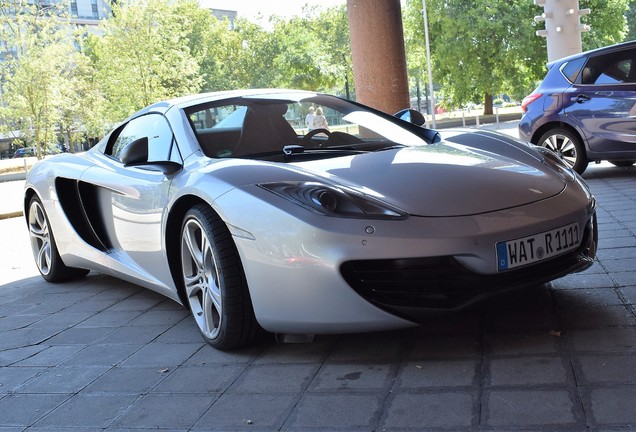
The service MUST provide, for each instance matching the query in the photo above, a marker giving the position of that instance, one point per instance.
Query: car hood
(444, 179)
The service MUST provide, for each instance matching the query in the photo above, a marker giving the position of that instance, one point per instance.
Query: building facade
(88, 12)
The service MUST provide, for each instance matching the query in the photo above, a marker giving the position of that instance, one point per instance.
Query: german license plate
(538, 247)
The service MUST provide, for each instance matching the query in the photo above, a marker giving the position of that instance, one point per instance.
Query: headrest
(275, 109)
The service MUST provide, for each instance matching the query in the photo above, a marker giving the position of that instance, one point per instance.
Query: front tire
(568, 146)
(214, 281)
(45, 253)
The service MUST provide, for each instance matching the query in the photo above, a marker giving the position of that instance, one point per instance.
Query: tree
(82, 105)
(214, 45)
(312, 51)
(630, 17)
(415, 45)
(485, 48)
(143, 56)
(36, 50)
(32, 92)
(478, 48)
(608, 22)
(331, 27)
(298, 56)
(254, 64)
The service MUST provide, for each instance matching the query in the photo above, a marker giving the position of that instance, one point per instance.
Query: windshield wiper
(295, 150)
(391, 147)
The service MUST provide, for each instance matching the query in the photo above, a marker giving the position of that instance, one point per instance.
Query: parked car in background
(24, 152)
(585, 107)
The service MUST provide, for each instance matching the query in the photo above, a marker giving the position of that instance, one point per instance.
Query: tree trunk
(487, 104)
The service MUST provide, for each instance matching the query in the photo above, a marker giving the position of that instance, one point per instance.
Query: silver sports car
(233, 205)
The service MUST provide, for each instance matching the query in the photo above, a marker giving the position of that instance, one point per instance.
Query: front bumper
(414, 288)
(304, 276)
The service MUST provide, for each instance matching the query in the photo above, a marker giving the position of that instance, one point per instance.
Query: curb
(11, 215)
(471, 121)
(13, 177)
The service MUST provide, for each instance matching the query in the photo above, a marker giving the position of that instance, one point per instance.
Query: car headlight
(556, 163)
(330, 200)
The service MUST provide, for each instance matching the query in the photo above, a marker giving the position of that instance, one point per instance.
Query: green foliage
(333, 49)
(608, 22)
(157, 49)
(39, 60)
(255, 62)
(143, 56)
(212, 44)
(415, 44)
(81, 104)
(490, 47)
(298, 56)
(147, 51)
(478, 48)
(630, 17)
(311, 52)
(150, 50)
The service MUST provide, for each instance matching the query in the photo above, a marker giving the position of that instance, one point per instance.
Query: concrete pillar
(562, 27)
(379, 60)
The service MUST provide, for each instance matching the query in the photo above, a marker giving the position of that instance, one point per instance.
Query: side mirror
(411, 116)
(135, 153)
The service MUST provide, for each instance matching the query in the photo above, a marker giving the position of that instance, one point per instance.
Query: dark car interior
(262, 129)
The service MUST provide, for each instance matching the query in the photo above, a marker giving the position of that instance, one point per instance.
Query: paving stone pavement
(102, 354)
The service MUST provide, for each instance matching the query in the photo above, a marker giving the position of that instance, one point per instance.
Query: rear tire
(47, 258)
(214, 281)
(568, 146)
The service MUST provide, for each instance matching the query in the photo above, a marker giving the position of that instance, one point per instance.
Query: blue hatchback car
(585, 107)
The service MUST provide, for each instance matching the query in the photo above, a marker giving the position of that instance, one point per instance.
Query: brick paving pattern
(102, 354)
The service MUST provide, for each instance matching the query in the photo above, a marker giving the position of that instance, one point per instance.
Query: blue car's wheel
(568, 146)
(214, 281)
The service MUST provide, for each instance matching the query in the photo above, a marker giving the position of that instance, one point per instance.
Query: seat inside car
(588, 75)
(265, 130)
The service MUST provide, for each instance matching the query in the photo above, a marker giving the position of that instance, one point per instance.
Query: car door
(602, 101)
(133, 200)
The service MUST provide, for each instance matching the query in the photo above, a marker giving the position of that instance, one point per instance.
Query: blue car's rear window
(572, 69)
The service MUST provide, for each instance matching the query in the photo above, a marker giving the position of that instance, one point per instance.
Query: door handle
(581, 98)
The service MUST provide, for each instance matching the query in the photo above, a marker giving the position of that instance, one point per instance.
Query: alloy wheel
(201, 278)
(40, 237)
(563, 146)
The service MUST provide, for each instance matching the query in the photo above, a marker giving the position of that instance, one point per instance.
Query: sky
(251, 8)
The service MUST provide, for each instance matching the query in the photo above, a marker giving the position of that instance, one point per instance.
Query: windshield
(265, 125)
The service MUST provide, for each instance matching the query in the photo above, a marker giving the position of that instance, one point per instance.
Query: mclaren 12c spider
(231, 205)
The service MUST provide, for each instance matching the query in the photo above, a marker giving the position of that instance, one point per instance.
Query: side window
(160, 139)
(218, 117)
(572, 69)
(612, 68)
